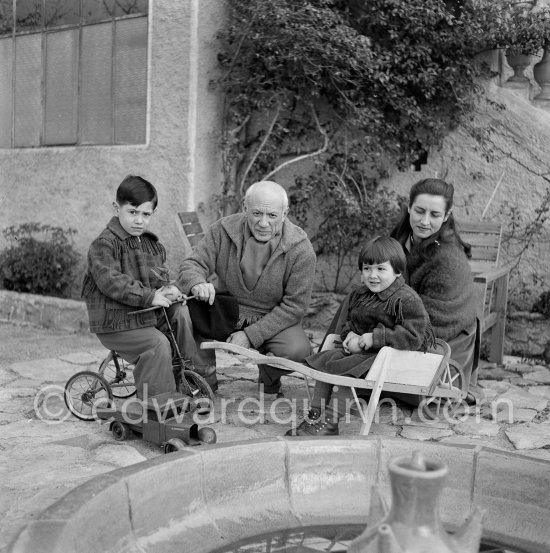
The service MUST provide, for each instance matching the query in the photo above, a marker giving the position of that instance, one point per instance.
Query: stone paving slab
(45, 451)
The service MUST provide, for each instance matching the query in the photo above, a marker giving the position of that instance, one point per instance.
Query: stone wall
(528, 334)
(44, 311)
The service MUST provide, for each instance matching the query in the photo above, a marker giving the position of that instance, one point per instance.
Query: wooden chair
(491, 281)
(189, 224)
(432, 375)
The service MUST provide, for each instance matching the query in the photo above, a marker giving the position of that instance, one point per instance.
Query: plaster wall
(75, 186)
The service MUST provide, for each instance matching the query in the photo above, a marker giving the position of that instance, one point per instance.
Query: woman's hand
(366, 341)
(351, 343)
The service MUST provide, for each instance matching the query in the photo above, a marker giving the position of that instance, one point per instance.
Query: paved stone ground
(45, 451)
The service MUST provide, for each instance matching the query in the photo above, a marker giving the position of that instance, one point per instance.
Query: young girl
(384, 311)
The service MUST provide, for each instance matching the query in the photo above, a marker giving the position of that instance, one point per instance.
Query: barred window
(74, 72)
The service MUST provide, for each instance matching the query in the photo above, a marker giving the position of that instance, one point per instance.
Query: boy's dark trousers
(150, 351)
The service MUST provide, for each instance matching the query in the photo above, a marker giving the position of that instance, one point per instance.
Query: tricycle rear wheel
(119, 373)
(84, 392)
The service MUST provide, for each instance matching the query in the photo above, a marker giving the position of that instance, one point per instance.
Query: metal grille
(96, 106)
(28, 87)
(61, 87)
(6, 92)
(130, 90)
(73, 72)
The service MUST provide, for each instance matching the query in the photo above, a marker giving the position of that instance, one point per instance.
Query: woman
(438, 268)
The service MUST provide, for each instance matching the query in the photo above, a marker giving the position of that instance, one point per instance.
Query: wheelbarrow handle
(184, 299)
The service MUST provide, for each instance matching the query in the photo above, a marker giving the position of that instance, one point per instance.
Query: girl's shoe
(316, 425)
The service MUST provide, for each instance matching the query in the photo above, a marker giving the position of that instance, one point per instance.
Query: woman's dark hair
(381, 249)
(447, 232)
(135, 191)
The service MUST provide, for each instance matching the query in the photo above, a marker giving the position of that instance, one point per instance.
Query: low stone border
(45, 311)
(528, 334)
(204, 498)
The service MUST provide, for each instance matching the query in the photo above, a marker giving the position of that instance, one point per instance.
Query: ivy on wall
(352, 90)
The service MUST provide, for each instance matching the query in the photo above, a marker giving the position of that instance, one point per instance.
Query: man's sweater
(281, 295)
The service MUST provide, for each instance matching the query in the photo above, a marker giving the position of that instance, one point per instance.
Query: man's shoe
(316, 425)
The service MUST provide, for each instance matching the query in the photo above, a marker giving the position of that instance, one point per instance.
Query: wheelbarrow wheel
(84, 392)
(119, 374)
(445, 408)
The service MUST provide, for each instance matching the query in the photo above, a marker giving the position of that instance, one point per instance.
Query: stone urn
(519, 62)
(541, 73)
(523, 5)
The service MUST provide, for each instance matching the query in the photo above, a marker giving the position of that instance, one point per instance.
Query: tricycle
(165, 419)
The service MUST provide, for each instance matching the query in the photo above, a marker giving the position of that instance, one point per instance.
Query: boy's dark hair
(135, 191)
(381, 249)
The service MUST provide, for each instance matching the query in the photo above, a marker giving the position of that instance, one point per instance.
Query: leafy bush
(542, 305)
(346, 211)
(41, 259)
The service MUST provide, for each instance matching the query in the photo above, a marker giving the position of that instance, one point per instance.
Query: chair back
(191, 226)
(485, 238)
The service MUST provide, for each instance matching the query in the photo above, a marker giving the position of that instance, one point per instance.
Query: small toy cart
(165, 420)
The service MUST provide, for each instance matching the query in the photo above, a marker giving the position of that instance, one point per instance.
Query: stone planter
(528, 334)
(519, 62)
(541, 73)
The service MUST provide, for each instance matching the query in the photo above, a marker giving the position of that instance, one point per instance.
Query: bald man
(268, 264)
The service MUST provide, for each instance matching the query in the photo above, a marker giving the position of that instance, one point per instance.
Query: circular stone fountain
(208, 498)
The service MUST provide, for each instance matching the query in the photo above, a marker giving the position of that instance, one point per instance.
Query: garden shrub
(40, 260)
(542, 305)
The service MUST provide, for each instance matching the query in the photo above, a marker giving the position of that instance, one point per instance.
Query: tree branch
(259, 149)
(304, 156)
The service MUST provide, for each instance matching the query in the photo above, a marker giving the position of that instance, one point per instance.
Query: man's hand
(204, 292)
(239, 338)
(366, 341)
(160, 299)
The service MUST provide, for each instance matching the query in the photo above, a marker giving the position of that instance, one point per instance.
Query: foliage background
(350, 91)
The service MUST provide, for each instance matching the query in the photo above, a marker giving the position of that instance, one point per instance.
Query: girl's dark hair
(447, 232)
(381, 249)
(135, 191)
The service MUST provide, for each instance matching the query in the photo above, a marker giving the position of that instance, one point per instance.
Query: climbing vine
(338, 93)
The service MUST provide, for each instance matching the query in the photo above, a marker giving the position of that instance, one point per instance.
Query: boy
(126, 273)
(384, 311)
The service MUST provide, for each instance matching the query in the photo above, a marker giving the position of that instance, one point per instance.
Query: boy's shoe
(208, 372)
(316, 425)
